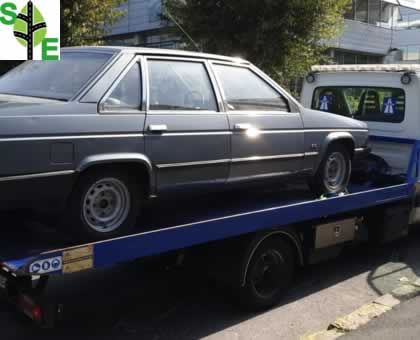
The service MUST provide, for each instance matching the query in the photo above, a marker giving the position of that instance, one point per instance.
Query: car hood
(313, 119)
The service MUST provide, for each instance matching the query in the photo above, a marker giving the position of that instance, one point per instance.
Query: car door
(267, 135)
(187, 136)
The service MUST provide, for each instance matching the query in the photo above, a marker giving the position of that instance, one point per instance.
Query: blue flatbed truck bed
(309, 226)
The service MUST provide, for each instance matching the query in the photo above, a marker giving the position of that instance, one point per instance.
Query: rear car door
(187, 136)
(267, 130)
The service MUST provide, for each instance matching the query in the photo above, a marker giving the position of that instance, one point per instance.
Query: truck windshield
(59, 80)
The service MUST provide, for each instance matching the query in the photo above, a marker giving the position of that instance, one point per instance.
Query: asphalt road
(400, 323)
(131, 301)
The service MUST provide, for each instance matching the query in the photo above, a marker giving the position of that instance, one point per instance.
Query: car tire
(333, 174)
(269, 274)
(104, 204)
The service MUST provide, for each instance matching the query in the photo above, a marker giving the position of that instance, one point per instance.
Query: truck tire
(269, 274)
(333, 174)
(104, 204)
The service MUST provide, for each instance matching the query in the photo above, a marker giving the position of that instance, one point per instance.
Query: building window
(411, 53)
(387, 11)
(350, 13)
(362, 9)
(374, 12)
(342, 57)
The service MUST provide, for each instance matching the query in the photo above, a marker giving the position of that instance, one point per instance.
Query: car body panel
(195, 148)
(276, 148)
(57, 141)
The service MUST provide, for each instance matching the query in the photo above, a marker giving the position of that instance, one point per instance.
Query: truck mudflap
(26, 295)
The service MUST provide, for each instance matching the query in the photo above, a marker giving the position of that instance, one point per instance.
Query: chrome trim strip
(169, 134)
(310, 154)
(336, 130)
(176, 165)
(360, 149)
(309, 130)
(40, 175)
(24, 139)
(267, 158)
(177, 134)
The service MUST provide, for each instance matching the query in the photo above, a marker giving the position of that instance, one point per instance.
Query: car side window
(127, 94)
(180, 86)
(246, 91)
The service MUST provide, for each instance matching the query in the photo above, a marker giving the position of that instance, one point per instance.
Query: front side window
(371, 104)
(60, 80)
(127, 94)
(246, 91)
(180, 86)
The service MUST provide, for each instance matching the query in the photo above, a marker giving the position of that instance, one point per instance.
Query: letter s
(9, 10)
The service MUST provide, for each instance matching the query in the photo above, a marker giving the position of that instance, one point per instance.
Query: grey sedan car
(97, 133)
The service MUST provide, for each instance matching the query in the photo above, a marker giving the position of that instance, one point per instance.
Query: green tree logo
(30, 28)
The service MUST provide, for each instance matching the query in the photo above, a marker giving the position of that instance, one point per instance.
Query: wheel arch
(288, 235)
(140, 161)
(344, 138)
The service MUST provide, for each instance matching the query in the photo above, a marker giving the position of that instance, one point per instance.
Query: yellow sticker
(78, 266)
(78, 259)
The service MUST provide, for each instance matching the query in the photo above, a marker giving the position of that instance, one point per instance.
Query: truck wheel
(105, 204)
(333, 174)
(269, 274)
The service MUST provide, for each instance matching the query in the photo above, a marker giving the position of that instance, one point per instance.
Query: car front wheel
(334, 172)
(104, 204)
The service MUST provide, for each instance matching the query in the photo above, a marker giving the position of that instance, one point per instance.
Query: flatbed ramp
(225, 218)
(29, 254)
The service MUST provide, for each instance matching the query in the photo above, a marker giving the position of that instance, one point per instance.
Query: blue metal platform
(191, 223)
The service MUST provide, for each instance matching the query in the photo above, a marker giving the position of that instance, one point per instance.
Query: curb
(366, 313)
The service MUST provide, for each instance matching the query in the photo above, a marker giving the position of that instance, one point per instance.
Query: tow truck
(244, 233)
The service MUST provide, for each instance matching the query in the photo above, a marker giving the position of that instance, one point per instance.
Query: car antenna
(169, 15)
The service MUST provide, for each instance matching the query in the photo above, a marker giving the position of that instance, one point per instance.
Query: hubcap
(335, 172)
(267, 273)
(106, 205)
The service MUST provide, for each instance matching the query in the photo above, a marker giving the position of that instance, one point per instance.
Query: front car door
(187, 136)
(267, 130)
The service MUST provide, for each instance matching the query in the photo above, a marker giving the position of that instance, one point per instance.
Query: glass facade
(344, 57)
(375, 12)
(411, 53)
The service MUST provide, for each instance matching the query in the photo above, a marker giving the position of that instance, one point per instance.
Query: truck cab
(386, 97)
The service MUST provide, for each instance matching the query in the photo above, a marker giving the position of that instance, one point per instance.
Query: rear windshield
(371, 104)
(60, 80)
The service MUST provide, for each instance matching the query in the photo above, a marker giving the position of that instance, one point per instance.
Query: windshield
(59, 80)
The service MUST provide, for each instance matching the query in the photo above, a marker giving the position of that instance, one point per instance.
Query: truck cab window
(371, 104)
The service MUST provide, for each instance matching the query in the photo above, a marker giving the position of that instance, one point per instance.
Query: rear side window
(127, 94)
(371, 104)
(180, 85)
(246, 91)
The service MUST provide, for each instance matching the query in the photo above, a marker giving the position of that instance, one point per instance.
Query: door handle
(158, 128)
(243, 126)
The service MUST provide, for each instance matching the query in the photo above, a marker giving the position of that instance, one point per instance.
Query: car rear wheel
(105, 204)
(334, 172)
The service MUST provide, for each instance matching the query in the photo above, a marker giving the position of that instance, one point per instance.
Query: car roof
(154, 51)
